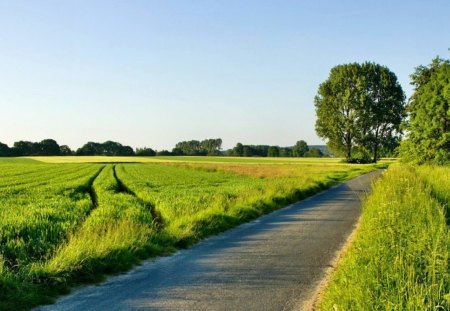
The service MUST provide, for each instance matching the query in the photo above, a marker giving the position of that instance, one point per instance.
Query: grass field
(67, 223)
(399, 259)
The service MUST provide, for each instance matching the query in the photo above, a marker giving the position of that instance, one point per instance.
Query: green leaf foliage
(359, 110)
(300, 149)
(428, 127)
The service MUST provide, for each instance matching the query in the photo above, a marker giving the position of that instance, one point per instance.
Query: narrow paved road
(273, 263)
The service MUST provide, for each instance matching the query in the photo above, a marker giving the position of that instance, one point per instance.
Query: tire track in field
(83, 189)
(91, 191)
(156, 216)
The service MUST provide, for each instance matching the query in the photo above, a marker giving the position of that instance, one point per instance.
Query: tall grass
(106, 241)
(399, 259)
(38, 212)
(39, 208)
(438, 177)
(197, 200)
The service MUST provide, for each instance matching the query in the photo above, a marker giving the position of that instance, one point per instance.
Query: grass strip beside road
(399, 258)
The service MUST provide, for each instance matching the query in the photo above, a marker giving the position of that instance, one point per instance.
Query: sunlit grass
(184, 159)
(399, 259)
(271, 170)
(63, 224)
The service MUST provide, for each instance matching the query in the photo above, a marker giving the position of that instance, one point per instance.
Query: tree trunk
(348, 143)
(375, 148)
(375, 153)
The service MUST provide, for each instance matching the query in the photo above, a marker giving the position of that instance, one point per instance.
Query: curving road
(273, 263)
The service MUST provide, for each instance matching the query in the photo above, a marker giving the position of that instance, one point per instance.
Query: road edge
(314, 302)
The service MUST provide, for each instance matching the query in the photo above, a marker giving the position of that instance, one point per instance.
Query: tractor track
(156, 216)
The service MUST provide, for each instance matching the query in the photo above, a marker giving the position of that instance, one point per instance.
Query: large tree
(336, 105)
(383, 109)
(428, 127)
(359, 108)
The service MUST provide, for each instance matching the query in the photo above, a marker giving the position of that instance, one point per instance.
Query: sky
(153, 73)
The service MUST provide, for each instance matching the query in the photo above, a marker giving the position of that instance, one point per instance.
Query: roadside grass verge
(399, 258)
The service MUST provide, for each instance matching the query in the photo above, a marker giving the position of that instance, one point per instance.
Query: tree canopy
(49, 147)
(300, 149)
(428, 127)
(147, 152)
(359, 110)
(195, 147)
(46, 147)
(25, 148)
(108, 148)
(4, 150)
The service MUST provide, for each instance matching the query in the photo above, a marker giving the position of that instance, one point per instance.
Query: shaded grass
(399, 259)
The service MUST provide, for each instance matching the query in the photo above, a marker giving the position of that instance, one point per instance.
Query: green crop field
(62, 224)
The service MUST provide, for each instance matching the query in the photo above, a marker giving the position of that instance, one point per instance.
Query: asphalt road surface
(273, 263)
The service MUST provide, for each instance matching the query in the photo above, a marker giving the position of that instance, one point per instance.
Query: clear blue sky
(152, 73)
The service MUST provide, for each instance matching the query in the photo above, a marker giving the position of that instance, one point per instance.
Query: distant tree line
(49, 147)
(300, 149)
(108, 148)
(195, 147)
(207, 147)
